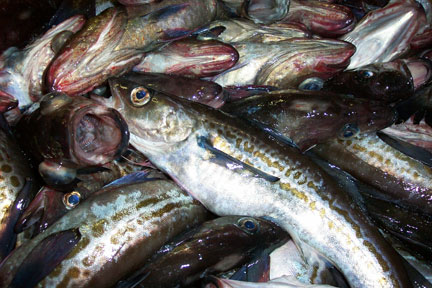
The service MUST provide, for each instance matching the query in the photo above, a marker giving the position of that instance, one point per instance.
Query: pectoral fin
(223, 159)
(45, 257)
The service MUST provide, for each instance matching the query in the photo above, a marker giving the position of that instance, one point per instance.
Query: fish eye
(367, 74)
(140, 96)
(249, 225)
(71, 200)
(349, 131)
(312, 84)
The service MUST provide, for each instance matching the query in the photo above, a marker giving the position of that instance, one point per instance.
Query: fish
(113, 42)
(323, 19)
(386, 31)
(119, 228)
(215, 246)
(286, 64)
(22, 71)
(17, 186)
(202, 91)
(310, 117)
(387, 81)
(190, 57)
(209, 152)
(65, 133)
(281, 282)
(265, 11)
(403, 180)
(242, 30)
(136, 2)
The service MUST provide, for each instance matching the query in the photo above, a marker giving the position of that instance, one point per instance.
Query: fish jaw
(22, 72)
(387, 31)
(89, 58)
(324, 19)
(321, 59)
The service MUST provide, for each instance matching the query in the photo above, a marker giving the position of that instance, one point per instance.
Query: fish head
(91, 134)
(389, 82)
(151, 115)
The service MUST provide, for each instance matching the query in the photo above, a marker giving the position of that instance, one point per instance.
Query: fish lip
(105, 151)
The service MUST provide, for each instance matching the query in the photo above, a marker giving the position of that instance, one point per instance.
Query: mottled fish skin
(241, 30)
(286, 64)
(216, 246)
(190, 57)
(386, 31)
(323, 19)
(22, 71)
(304, 201)
(119, 229)
(14, 173)
(311, 117)
(369, 159)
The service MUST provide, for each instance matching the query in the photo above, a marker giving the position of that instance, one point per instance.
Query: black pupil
(367, 74)
(249, 225)
(141, 94)
(348, 134)
(312, 86)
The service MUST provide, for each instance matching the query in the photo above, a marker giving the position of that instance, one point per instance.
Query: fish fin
(418, 153)
(42, 260)
(416, 278)
(277, 135)
(255, 271)
(140, 176)
(7, 233)
(232, 163)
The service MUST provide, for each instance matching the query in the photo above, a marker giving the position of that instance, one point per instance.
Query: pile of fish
(216, 143)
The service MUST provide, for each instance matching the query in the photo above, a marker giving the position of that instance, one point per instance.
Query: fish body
(287, 63)
(265, 11)
(119, 229)
(215, 246)
(209, 153)
(15, 174)
(281, 282)
(386, 32)
(404, 180)
(311, 117)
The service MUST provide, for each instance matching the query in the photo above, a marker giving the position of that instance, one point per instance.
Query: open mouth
(100, 135)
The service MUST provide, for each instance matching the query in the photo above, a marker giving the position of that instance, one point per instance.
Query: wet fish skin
(190, 57)
(273, 180)
(387, 81)
(215, 246)
(16, 190)
(265, 11)
(386, 31)
(119, 229)
(281, 282)
(404, 180)
(323, 19)
(242, 30)
(311, 117)
(286, 64)
(22, 71)
(73, 132)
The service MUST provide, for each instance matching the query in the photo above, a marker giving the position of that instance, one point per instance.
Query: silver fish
(235, 169)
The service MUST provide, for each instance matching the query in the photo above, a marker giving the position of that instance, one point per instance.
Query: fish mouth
(99, 135)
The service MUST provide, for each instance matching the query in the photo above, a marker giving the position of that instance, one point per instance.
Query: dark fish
(324, 19)
(286, 64)
(216, 246)
(209, 152)
(190, 57)
(112, 42)
(202, 91)
(405, 181)
(385, 34)
(389, 82)
(64, 134)
(119, 229)
(310, 117)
